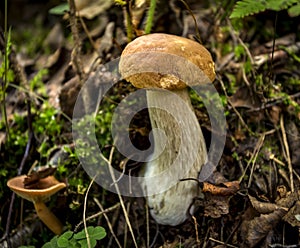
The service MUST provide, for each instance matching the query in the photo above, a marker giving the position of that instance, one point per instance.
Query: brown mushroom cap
(161, 61)
(47, 187)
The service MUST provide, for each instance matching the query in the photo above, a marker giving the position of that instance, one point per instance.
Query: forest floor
(253, 197)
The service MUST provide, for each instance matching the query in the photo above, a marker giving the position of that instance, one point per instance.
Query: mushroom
(45, 188)
(165, 65)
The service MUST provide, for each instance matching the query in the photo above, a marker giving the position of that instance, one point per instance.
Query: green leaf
(83, 243)
(52, 243)
(294, 10)
(64, 239)
(59, 9)
(96, 233)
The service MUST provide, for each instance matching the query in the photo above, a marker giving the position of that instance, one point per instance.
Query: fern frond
(278, 5)
(249, 7)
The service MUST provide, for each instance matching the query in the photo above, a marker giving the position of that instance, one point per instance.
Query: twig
(234, 109)
(222, 243)
(97, 215)
(155, 236)
(287, 152)
(88, 34)
(253, 159)
(196, 230)
(119, 193)
(20, 169)
(84, 211)
(147, 226)
(273, 102)
(75, 56)
(273, 45)
(20, 76)
(126, 226)
(108, 222)
(3, 45)
(198, 36)
(246, 49)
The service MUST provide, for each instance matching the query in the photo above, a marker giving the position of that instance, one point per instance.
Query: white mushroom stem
(49, 219)
(176, 148)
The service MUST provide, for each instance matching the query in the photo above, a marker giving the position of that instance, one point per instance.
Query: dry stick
(88, 34)
(84, 211)
(234, 109)
(119, 193)
(98, 214)
(273, 102)
(147, 226)
(126, 226)
(21, 77)
(198, 36)
(196, 230)
(75, 56)
(247, 50)
(287, 152)
(108, 222)
(222, 243)
(253, 159)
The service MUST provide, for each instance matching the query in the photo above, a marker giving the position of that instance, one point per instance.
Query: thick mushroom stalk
(46, 187)
(169, 62)
(172, 206)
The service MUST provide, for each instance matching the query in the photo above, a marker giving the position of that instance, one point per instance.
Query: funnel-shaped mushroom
(45, 188)
(163, 61)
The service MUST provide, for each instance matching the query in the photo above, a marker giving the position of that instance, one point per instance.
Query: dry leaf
(257, 229)
(264, 207)
(243, 98)
(274, 113)
(215, 206)
(224, 189)
(68, 95)
(293, 216)
(32, 180)
(293, 136)
(91, 8)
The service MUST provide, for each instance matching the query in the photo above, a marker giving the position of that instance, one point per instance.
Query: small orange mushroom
(45, 188)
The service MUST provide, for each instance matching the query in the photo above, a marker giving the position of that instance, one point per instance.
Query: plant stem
(4, 83)
(128, 21)
(149, 22)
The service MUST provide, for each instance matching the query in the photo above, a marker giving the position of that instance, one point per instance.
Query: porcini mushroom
(162, 61)
(45, 188)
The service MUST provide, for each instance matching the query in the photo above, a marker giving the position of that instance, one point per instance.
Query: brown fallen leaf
(294, 141)
(224, 189)
(255, 230)
(218, 196)
(264, 207)
(215, 206)
(293, 216)
(244, 98)
(92, 8)
(32, 180)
